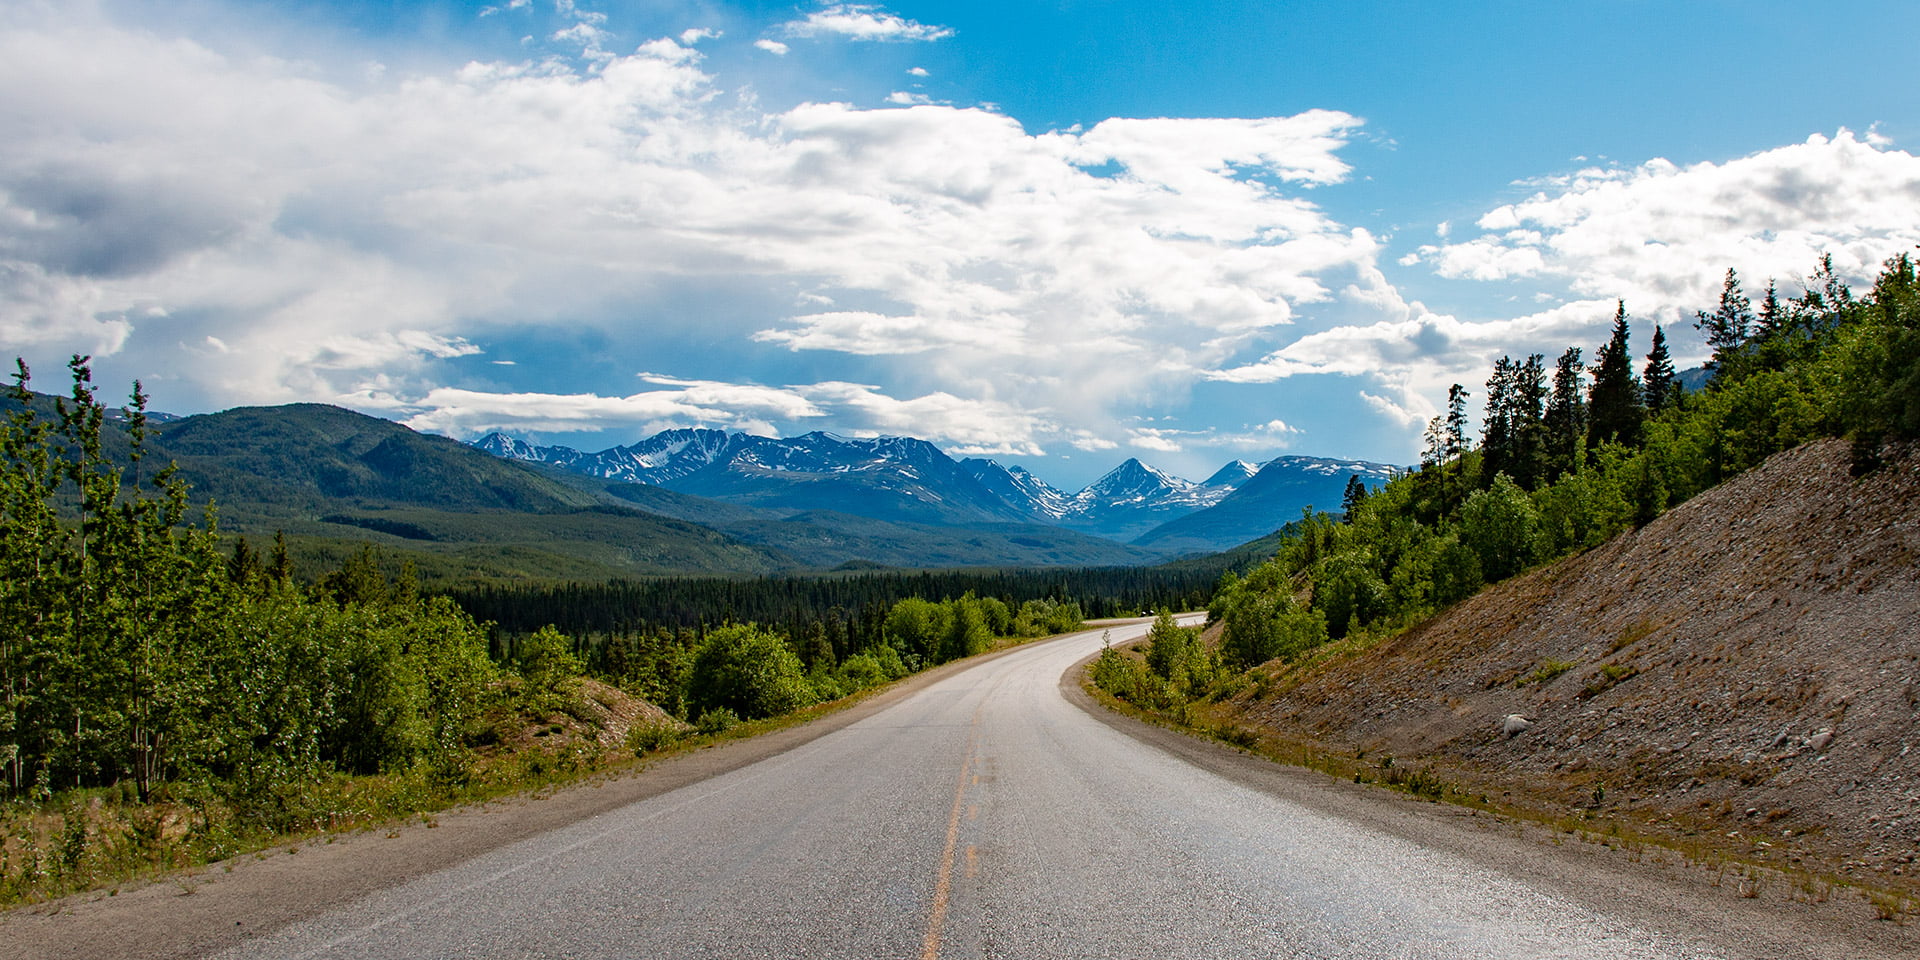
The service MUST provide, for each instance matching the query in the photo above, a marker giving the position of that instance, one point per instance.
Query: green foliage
(1502, 527)
(546, 657)
(967, 632)
(648, 737)
(716, 720)
(1267, 624)
(1040, 618)
(1876, 365)
(1167, 644)
(1547, 670)
(1555, 478)
(918, 626)
(1348, 589)
(142, 656)
(749, 671)
(1176, 655)
(1119, 674)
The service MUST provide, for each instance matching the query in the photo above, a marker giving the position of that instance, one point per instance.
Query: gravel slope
(1743, 669)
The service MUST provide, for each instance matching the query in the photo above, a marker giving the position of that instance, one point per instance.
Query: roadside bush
(1267, 626)
(648, 737)
(749, 671)
(1118, 674)
(718, 720)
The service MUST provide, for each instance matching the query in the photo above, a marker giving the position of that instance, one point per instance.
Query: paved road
(986, 816)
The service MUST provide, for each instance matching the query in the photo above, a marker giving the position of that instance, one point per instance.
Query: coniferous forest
(1566, 460)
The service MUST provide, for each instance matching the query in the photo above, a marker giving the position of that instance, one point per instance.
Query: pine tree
(1613, 402)
(1355, 495)
(1727, 328)
(1529, 430)
(1657, 382)
(1565, 421)
(1496, 432)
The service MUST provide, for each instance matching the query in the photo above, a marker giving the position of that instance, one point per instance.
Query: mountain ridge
(1265, 502)
(905, 479)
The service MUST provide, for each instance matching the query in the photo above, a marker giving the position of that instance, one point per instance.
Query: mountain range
(694, 501)
(905, 480)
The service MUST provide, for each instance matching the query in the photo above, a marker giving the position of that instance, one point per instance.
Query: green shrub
(648, 737)
(1118, 674)
(1547, 671)
(717, 720)
(749, 671)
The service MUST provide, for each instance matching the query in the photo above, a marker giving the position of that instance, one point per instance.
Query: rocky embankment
(1742, 670)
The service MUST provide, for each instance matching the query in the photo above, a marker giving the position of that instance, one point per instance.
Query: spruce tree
(1772, 321)
(1658, 384)
(1496, 432)
(1529, 429)
(1456, 435)
(280, 566)
(1727, 327)
(1355, 495)
(1453, 469)
(1566, 417)
(1613, 403)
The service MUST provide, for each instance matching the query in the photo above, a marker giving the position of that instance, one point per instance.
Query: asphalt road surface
(990, 816)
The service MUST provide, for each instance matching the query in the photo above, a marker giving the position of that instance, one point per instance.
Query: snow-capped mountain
(1133, 498)
(657, 460)
(1031, 495)
(1233, 474)
(1265, 502)
(890, 478)
(901, 478)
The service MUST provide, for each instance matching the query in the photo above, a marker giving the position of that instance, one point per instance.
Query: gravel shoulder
(1655, 889)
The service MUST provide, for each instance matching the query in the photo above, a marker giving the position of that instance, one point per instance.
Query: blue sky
(1058, 234)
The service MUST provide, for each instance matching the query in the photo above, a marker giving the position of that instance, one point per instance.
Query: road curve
(985, 816)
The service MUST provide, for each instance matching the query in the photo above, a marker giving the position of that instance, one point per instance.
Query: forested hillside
(1569, 459)
(1686, 672)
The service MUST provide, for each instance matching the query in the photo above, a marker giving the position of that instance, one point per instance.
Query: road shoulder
(1669, 896)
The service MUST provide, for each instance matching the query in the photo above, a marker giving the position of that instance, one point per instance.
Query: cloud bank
(347, 240)
(263, 229)
(1658, 235)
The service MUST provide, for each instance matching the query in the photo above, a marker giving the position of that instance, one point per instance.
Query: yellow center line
(943, 883)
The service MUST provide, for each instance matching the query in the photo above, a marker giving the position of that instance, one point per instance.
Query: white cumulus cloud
(860, 21)
(1661, 236)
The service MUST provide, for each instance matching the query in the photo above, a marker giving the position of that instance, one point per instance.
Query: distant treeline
(848, 612)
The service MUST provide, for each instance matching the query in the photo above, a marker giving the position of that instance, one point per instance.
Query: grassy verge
(1702, 849)
(105, 838)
